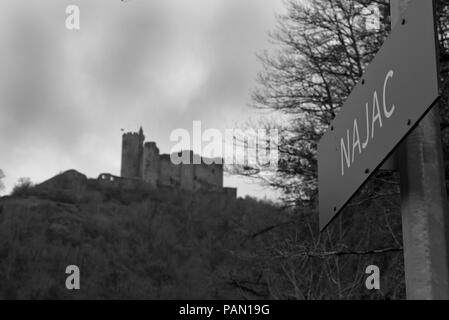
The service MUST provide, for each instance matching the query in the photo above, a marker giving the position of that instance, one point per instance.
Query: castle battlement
(142, 160)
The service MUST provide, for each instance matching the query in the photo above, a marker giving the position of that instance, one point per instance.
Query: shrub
(24, 187)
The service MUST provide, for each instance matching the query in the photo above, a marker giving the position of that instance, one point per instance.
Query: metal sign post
(423, 200)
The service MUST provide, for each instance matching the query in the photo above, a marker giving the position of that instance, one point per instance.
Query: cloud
(65, 95)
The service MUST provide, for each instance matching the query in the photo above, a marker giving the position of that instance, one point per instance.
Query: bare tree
(322, 50)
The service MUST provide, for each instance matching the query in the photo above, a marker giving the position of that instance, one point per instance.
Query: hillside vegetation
(128, 244)
(148, 244)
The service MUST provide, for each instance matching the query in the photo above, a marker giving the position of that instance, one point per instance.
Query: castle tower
(187, 171)
(132, 154)
(151, 165)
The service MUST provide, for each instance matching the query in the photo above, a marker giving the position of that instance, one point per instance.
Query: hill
(135, 242)
(130, 243)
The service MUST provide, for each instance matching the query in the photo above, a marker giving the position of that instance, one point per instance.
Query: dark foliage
(167, 244)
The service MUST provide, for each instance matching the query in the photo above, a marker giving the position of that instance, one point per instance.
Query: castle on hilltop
(144, 166)
(142, 161)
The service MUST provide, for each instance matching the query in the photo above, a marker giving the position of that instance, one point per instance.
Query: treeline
(173, 245)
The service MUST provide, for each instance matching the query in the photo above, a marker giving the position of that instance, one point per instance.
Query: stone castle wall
(144, 161)
(151, 164)
(132, 153)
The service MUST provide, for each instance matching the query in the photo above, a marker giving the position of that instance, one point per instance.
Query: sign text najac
(349, 148)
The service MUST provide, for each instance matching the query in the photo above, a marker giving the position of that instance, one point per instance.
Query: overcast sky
(66, 95)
